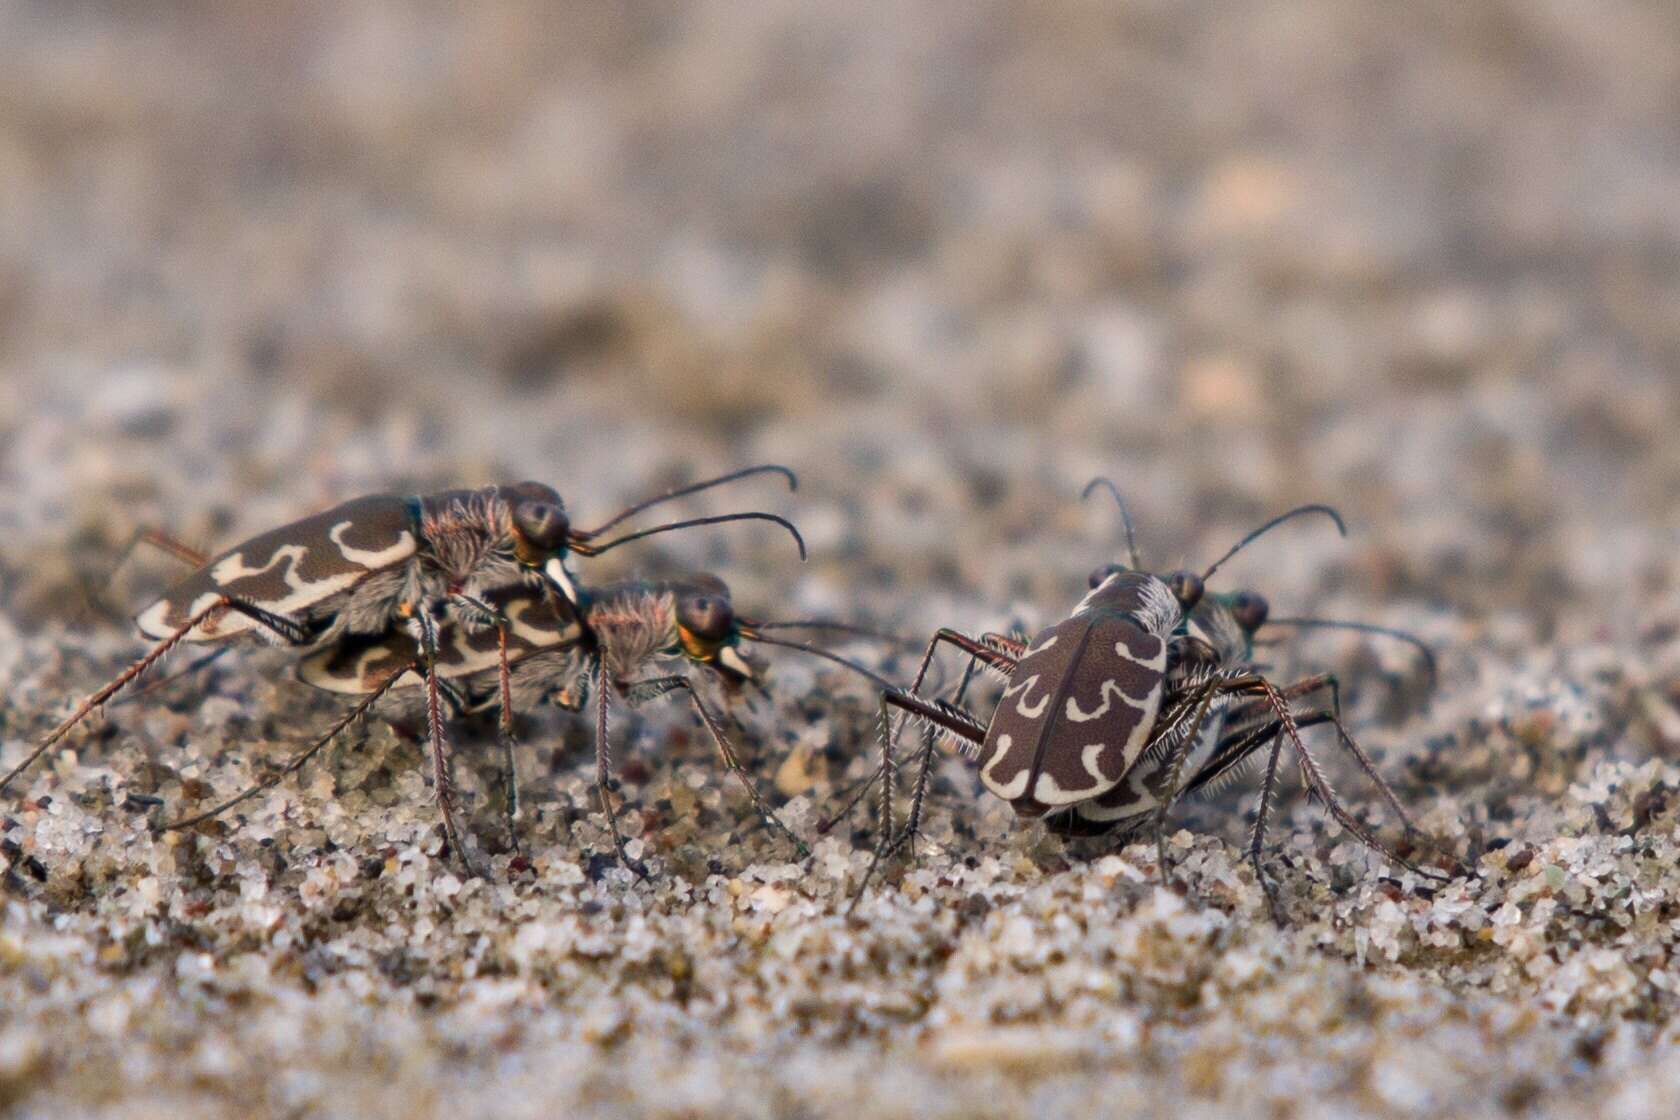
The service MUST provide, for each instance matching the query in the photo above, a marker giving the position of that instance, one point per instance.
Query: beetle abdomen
(289, 570)
(1076, 715)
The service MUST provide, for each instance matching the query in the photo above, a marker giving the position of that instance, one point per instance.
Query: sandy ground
(948, 262)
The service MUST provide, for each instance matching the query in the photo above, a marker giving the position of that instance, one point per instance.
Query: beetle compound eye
(708, 617)
(1250, 610)
(1102, 573)
(542, 525)
(1186, 588)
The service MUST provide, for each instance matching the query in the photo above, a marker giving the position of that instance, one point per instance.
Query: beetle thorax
(1144, 598)
(632, 628)
(468, 538)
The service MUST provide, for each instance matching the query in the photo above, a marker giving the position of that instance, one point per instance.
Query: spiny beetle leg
(978, 651)
(115, 685)
(957, 722)
(443, 781)
(504, 719)
(732, 760)
(297, 762)
(603, 770)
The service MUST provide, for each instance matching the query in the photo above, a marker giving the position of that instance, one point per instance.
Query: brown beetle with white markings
(382, 561)
(1083, 696)
(1132, 685)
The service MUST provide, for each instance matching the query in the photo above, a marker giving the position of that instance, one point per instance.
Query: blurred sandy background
(948, 262)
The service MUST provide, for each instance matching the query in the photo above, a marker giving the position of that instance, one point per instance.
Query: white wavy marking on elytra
(1089, 757)
(1035, 710)
(1110, 689)
(232, 568)
(1139, 777)
(1145, 724)
(316, 671)
(1024, 689)
(1050, 792)
(1156, 660)
(1048, 641)
(546, 629)
(1017, 785)
(401, 549)
(154, 620)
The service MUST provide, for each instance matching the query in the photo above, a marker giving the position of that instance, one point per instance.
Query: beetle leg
(115, 685)
(603, 767)
(170, 678)
(298, 761)
(952, 719)
(1181, 751)
(1315, 780)
(443, 782)
(504, 733)
(1257, 840)
(978, 650)
(733, 761)
(285, 628)
(996, 657)
(1328, 681)
(504, 719)
(147, 535)
(1006, 643)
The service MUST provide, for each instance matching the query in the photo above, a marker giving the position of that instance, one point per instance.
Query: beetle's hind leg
(1313, 777)
(282, 626)
(1411, 829)
(298, 761)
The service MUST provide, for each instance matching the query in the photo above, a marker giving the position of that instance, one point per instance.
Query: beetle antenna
(1125, 513)
(1298, 511)
(694, 488)
(585, 549)
(1366, 628)
(838, 627)
(817, 651)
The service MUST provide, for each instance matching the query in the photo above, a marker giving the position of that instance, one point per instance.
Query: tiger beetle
(373, 563)
(634, 638)
(1104, 713)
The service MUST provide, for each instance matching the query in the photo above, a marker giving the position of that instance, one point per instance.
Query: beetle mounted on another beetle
(550, 651)
(374, 563)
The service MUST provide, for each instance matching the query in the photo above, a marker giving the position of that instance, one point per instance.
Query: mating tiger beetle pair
(1146, 692)
(465, 595)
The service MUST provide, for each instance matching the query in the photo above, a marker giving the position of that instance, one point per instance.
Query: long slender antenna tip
(1298, 511)
(1125, 512)
(590, 549)
(692, 488)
